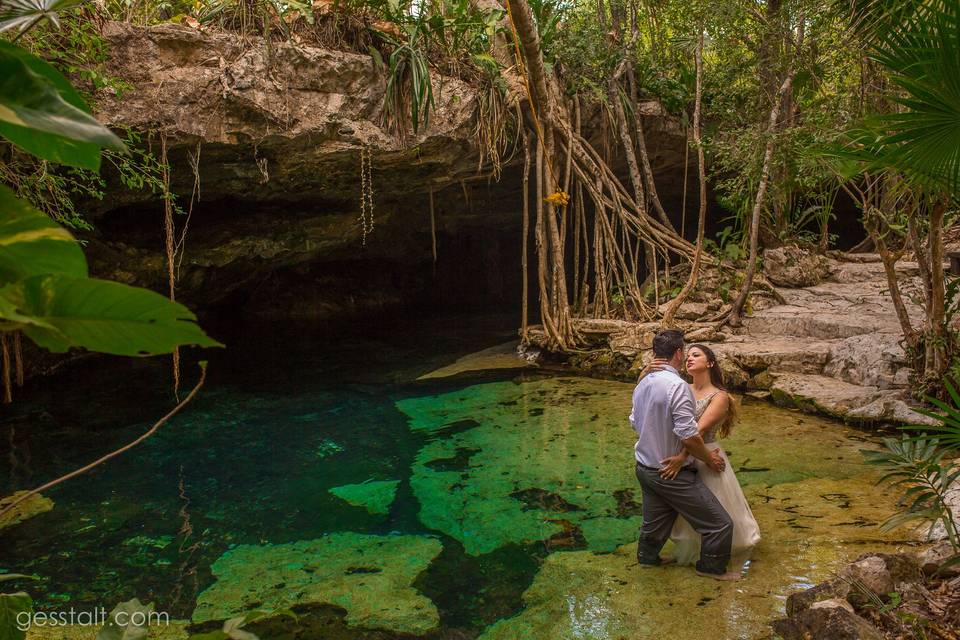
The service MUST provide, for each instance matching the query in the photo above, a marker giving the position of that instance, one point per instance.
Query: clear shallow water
(319, 473)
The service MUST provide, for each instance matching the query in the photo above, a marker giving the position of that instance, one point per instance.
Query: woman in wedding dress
(716, 413)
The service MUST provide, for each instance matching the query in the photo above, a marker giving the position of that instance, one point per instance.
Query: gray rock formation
(838, 608)
(791, 266)
(830, 348)
(278, 122)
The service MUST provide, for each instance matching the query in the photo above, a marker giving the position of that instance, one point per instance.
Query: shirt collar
(668, 367)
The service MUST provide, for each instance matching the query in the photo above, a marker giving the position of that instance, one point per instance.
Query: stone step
(823, 323)
(850, 402)
(782, 353)
(850, 272)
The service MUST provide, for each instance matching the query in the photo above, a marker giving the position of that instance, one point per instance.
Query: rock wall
(275, 132)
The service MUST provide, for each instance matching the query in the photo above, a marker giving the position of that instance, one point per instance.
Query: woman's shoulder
(717, 395)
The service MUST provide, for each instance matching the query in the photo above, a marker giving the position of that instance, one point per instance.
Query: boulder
(633, 339)
(880, 574)
(800, 601)
(706, 333)
(833, 603)
(953, 503)
(733, 374)
(872, 359)
(791, 266)
(932, 558)
(835, 622)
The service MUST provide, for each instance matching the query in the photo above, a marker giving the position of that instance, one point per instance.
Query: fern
(917, 465)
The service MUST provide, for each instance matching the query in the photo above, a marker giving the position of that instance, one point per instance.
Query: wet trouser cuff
(649, 553)
(716, 565)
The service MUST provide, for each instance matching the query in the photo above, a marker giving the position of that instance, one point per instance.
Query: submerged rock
(810, 528)
(836, 622)
(369, 576)
(175, 630)
(546, 460)
(376, 496)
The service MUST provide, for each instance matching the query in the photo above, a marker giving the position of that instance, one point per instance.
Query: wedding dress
(725, 486)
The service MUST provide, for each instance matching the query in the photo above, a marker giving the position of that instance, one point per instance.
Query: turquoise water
(317, 472)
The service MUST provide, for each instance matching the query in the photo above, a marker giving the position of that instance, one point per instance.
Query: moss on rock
(369, 576)
(376, 496)
(549, 455)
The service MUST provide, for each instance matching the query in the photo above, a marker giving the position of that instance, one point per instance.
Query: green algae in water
(809, 532)
(569, 440)
(369, 576)
(159, 542)
(374, 496)
(542, 463)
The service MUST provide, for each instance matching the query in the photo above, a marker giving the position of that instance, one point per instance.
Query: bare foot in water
(664, 560)
(730, 576)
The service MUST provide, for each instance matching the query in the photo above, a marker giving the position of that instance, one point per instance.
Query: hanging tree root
(113, 454)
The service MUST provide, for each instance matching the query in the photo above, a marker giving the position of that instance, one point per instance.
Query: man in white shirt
(664, 417)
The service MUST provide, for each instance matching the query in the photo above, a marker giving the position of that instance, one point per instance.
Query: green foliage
(917, 466)
(926, 469)
(45, 292)
(59, 312)
(42, 113)
(727, 246)
(948, 431)
(918, 46)
(408, 81)
(33, 244)
(44, 288)
(23, 14)
(13, 605)
(78, 50)
(922, 54)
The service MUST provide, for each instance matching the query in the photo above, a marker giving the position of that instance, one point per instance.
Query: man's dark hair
(666, 343)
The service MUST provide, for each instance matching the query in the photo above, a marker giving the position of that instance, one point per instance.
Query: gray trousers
(687, 495)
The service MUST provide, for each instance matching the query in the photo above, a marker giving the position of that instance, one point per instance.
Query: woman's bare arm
(715, 414)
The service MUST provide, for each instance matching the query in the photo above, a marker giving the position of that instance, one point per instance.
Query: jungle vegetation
(786, 104)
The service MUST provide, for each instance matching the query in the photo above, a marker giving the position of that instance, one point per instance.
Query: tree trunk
(734, 320)
(526, 235)
(648, 170)
(631, 157)
(937, 339)
(560, 331)
(702, 214)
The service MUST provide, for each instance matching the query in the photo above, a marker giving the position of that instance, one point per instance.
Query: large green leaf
(42, 113)
(33, 244)
(15, 611)
(128, 621)
(99, 315)
(22, 14)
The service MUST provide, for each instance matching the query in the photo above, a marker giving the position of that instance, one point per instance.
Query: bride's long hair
(716, 379)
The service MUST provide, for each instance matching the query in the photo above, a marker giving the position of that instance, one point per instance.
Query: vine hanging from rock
(366, 192)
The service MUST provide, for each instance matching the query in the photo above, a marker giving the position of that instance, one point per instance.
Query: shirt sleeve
(683, 411)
